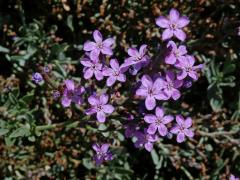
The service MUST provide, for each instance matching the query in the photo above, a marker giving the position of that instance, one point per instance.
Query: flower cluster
(98, 63)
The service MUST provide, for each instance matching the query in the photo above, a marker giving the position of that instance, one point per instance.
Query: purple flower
(92, 67)
(102, 153)
(145, 140)
(130, 130)
(187, 68)
(176, 53)
(182, 128)
(99, 46)
(232, 177)
(72, 94)
(56, 94)
(137, 58)
(158, 122)
(115, 73)
(99, 106)
(173, 25)
(37, 77)
(151, 91)
(170, 86)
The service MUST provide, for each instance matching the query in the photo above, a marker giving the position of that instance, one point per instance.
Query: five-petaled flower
(182, 128)
(99, 107)
(99, 46)
(102, 153)
(187, 68)
(173, 25)
(170, 86)
(115, 73)
(72, 94)
(158, 122)
(137, 59)
(151, 91)
(176, 53)
(145, 140)
(92, 67)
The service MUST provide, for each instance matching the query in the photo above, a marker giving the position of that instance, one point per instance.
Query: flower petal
(180, 137)
(180, 120)
(111, 80)
(108, 108)
(89, 46)
(170, 76)
(114, 64)
(149, 118)
(174, 15)
(66, 101)
(98, 75)
(88, 73)
(181, 75)
(86, 63)
(182, 50)
(152, 128)
(104, 148)
(182, 22)
(193, 75)
(176, 94)
(93, 100)
(175, 130)
(188, 133)
(108, 42)
(162, 22)
(121, 78)
(106, 50)
(167, 119)
(167, 34)
(159, 84)
(142, 92)
(101, 117)
(188, 123)
(103, 98)
(97, 36)
(94, 54)
(143, 50)
(148, 146)
(180, 34)
(159, 112)
(133, 52)
(170, 59)
(162, 129)
(150, 103)
(96, 147)
(147, 81)
(69, 84)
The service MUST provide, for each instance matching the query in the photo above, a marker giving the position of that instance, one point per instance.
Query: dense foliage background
(39, 139)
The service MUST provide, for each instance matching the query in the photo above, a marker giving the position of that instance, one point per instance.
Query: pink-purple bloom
(151, 91)
(102, 153)
(182, 128)
(72, 94)
(137, 59)
(232, 177)
(99, 106)
(145, 140)
(99, 46)
(173, 25)
(176, 53)
(158, 122)
(171, 85)
(115, 73)
(37, 78)
(92, 67)
(187, 68)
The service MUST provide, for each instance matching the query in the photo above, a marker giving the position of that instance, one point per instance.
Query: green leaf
(70, 22)
(228, 68)
(155, 157)
(20, 132)
(3, 131)
(4, 50)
